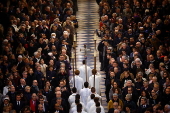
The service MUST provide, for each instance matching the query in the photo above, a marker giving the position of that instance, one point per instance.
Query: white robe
(89, 104)
(84, 93)
(71, 98)
(93, 109)
(97, 82)
(79, 83)
(96, 95)
(82, 74)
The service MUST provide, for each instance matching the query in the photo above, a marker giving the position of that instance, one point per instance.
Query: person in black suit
(20, 64)
(40, 108)
(45, 106)
(34, 87)
(38, 75)
(142, 108)
(58, 109)
(22, 85)
(26, 78)
(18, 104)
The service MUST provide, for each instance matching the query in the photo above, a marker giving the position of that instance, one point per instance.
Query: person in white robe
(82, 70)
(93, 91)
(97, 81)
(90, 102)
(79, 109)
(79, 82)
(74, 108)
(71, 98)
(80, 101)
(96, 105)
(85, 92)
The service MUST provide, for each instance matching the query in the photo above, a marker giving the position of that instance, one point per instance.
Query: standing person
(78, 81)
(85, 92)
(38, 75)
(97, 80)
(18, 104)
(82, 70)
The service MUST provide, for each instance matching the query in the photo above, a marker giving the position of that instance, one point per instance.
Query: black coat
(18, 107)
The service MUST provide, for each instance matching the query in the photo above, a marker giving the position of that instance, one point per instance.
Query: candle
(95, 37)
(74, 38)
(94, 53)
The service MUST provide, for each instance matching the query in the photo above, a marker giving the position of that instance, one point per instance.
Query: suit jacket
(142, 109)
(20, 88)
(18, 107)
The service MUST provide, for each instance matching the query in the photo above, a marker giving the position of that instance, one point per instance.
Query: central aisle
(88, 19)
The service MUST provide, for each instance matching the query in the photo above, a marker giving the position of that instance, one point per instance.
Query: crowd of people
(36, 38)
(135, 54)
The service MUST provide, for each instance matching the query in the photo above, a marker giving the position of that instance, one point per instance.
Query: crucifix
(85, 57)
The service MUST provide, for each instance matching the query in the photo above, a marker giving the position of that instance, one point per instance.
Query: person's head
(92, 96)
(77, 72)
(167, 108)
(79, 107)
(129, 83)
(57, 106)
(156, 86)
(74, 89)
(77, 96)
(18, 97)
(34, 96)
(145, 83)
(84, 61)
(35, 83)
(86, 84)
(115, 105)
(167, 91)
(94, 71)
(41, 100)
(98, 109)
(27, 89)
(93, 90)
(127, 108)
(143, 100)
(115, 96)
(22, 81)
(40, 107)
(58, 94)
(116, 111)
(12, 89)
(130, 90)
(128, 97)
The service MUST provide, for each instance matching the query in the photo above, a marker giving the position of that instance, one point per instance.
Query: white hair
(35, 53)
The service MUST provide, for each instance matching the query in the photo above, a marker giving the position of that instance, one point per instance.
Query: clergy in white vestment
(79, 109)
(90, 102)
(93, 91)
(96, 105)
(79, 82)
(73, 109)
(71, 98)
(79, 98)
(85, 92)
(82, 70)
(97, 80)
